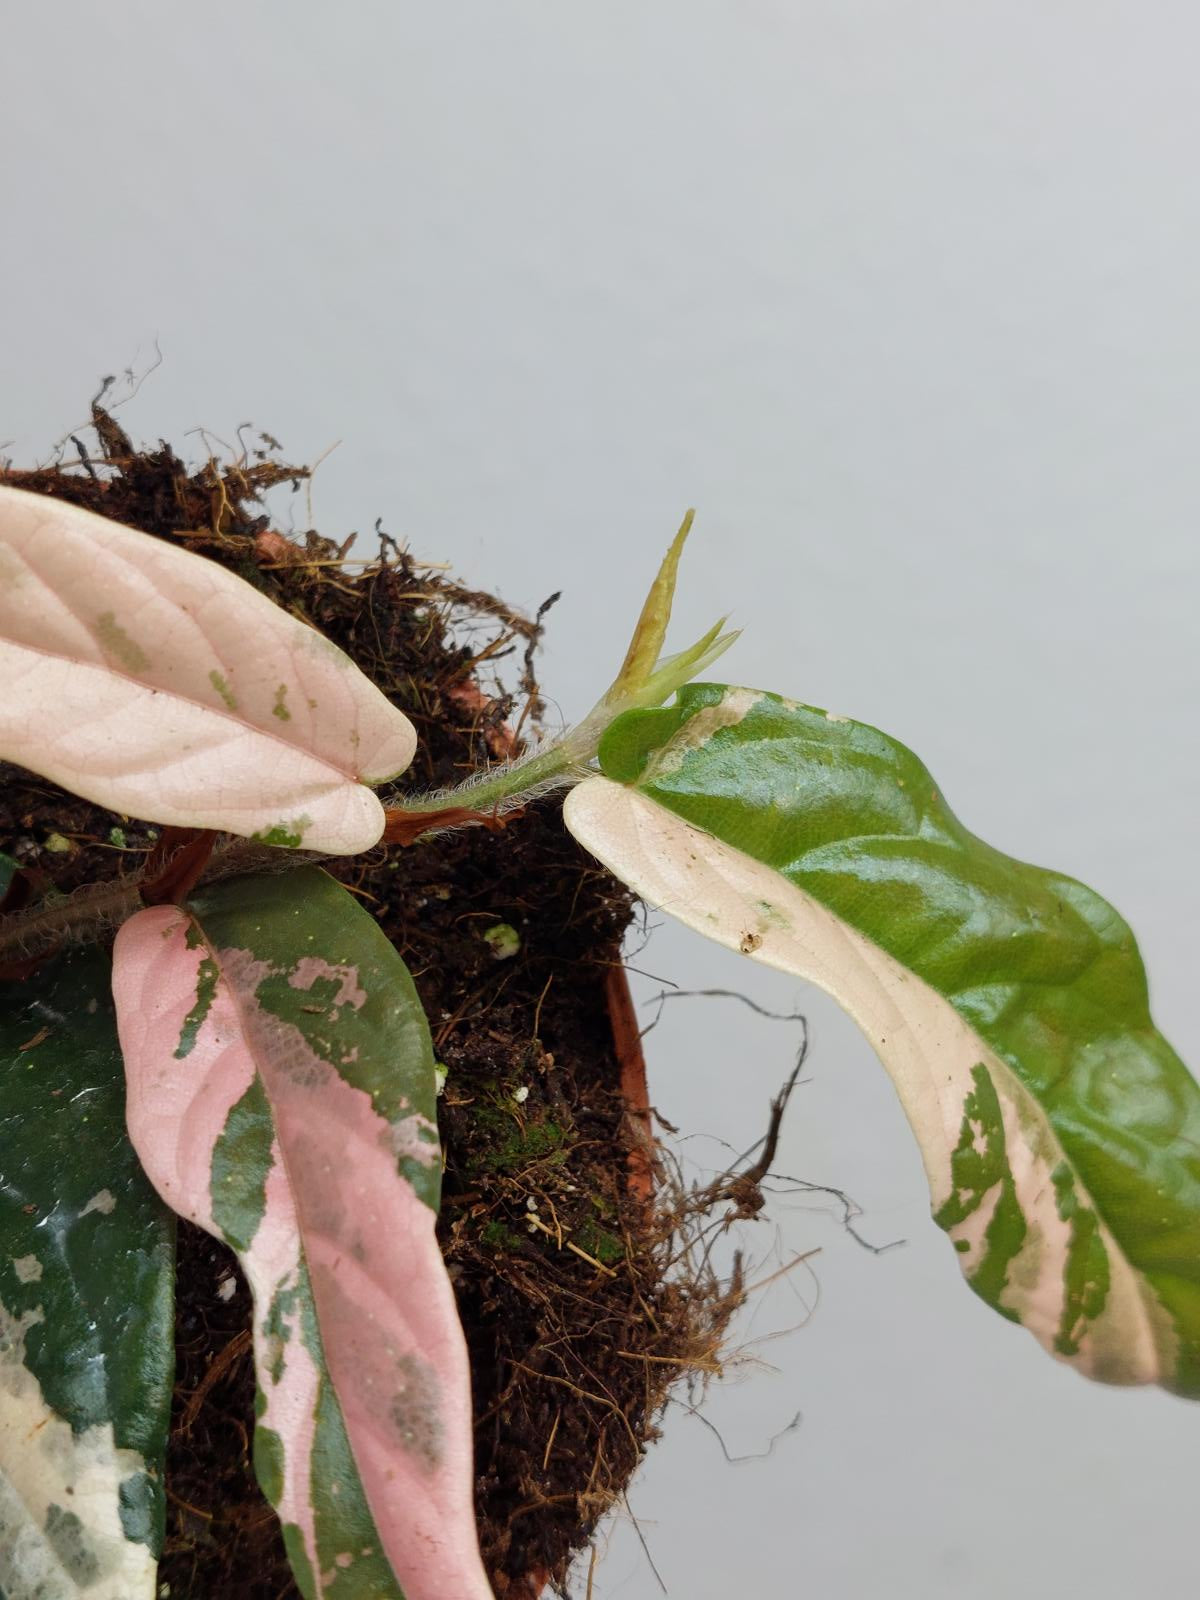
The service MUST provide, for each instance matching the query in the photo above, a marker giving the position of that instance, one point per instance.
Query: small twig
(693, 1365)
(550, 1440)
(781, 1272)
(217, 1369)
(537, 1015)
(324, 456)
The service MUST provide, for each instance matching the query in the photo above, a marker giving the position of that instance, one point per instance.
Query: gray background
(902, 296)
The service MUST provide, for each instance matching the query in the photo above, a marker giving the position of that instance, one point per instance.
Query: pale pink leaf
(158, 684)
(281, 1094)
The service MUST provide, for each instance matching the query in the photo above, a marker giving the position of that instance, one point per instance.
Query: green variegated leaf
(282, 1095)
(86, 1290)
(1060, 1131)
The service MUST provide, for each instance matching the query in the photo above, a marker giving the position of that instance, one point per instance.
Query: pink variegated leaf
(156, 683)
(281, 1094)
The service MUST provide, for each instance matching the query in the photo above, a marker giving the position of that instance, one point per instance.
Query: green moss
(519, 1144)
(499, 1236)
(606, 1247)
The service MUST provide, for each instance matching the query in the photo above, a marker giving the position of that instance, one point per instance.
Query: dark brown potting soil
(577, 1312)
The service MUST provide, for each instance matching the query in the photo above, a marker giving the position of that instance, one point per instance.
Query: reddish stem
(627, 1043)
(406, 827)
(174, 866)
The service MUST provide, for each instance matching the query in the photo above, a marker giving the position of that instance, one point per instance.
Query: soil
(568, 1246)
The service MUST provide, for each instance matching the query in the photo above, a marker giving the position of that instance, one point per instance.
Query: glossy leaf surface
(158, 684)
(1059, 1130)
(86, 1302)
(282, 1095)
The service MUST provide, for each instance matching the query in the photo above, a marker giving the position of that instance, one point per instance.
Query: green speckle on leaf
(1086, 1271)
(979, 1165)
(277, 1330)
(293, 1543)
(137, 1505)
(269, 1462)
(206, 988)
(287, 834)
(342, 1519)
(503, 940)
(241, 1162)
(219, 683)
(119, 645)
(279, 709)
(72, 1544)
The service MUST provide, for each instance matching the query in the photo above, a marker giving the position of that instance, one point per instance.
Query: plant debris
(578, 1260)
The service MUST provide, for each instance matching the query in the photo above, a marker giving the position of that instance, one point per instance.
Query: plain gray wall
(902, 296)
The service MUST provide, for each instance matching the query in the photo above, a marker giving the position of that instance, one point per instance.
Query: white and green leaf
(86, 1302)
(1059, 1130)
(282, 1095)
(156, 683)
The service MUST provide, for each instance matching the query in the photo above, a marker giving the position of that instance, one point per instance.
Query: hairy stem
(515, 781)
(98, 909)
(79, 919)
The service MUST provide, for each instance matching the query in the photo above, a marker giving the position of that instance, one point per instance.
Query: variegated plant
(281, 1094)
(279, 1081)
(1060, 1131)
(275, 1074)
